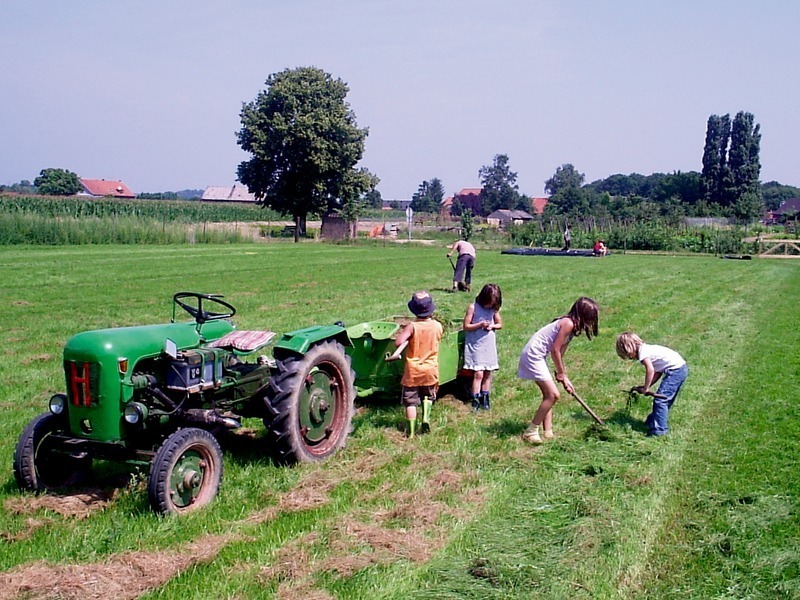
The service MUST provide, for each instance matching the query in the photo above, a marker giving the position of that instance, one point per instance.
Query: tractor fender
(299, 341)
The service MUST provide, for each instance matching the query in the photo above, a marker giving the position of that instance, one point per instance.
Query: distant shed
(234, 193)
(504, 217)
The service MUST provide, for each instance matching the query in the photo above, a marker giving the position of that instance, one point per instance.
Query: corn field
(51, 221)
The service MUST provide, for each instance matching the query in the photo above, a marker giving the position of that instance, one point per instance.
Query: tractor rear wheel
(309, 404)
(38, 465)
(186, 472)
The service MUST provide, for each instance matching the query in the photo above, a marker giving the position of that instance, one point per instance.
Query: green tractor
(163, 394)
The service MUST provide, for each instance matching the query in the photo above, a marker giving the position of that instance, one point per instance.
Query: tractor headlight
(135, 413)
(57, 404)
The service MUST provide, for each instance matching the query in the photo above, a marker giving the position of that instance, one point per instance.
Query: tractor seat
(243, 341)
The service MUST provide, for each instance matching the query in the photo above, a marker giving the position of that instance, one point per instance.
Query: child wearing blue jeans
(658, 361)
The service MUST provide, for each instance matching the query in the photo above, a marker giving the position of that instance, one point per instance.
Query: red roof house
(100, 188)
(538, 204)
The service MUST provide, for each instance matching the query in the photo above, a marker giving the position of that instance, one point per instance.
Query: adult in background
(462, 275)
(567, 238)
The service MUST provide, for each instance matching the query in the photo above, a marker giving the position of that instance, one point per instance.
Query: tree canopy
(428, 197)
(305, 144)
(57, 182)
(499, 186)
(731, 165)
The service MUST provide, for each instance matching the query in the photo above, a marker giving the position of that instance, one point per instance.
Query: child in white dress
(553, 339)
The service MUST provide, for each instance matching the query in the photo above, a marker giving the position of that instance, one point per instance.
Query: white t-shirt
(661, 357)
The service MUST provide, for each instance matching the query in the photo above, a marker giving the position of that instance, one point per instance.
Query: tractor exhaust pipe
(210, 417)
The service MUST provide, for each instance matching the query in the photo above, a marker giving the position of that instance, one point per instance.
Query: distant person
(421, 373)
(462, 274)
(553, 339)
(658, 361)
(599, 248)
(567, 238)
(481, 320)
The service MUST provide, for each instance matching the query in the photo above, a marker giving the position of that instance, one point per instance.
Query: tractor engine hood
(98, 366)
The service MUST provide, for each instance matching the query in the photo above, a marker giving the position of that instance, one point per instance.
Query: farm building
(396, 204)
(504, 217)
(102, 188)
(787, 208)
(234, 193)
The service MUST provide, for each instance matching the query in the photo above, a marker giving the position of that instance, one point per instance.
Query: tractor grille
(82, 382)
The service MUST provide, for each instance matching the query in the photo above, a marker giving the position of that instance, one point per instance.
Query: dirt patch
(77, 506)
(368, 538)
(37, 359)
(126, 575)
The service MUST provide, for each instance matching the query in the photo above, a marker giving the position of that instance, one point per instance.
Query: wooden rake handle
(585, 406)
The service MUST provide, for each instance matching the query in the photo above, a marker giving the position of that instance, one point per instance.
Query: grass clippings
(78, 506)
(121, 576)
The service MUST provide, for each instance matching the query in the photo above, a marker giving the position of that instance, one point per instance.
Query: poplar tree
(715, 175)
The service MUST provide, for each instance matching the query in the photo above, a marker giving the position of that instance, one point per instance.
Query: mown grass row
(710, 511)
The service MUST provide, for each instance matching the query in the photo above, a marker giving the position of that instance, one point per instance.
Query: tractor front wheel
(310, 403)
(38, 464)
(186, 472)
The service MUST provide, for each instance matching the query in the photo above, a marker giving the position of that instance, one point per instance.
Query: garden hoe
(585, 406)
(635, 390)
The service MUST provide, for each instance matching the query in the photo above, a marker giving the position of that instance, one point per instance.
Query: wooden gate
(771, 248)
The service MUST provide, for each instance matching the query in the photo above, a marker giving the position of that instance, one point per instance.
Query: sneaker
(548, 434)
(531, 436)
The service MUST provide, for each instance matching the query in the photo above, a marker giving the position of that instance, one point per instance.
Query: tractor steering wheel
(222, 309)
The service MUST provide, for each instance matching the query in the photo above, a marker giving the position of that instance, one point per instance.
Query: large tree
(566, 195)
(305, 145)
(57, 182)
(428, 198)
(745, 166)
(716, 174)
(731, 165)
(498, 186)
(565, 177)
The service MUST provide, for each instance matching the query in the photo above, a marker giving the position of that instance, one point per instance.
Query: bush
(641, 235)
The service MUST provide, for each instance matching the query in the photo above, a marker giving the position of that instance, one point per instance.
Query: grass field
(468, 511)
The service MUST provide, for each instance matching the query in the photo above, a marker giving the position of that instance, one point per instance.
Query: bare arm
(453, 248)
(404, 335)
(559, 348)
(497, 321)
(650, 375)
(468, 324)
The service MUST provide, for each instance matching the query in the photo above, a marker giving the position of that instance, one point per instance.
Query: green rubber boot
(412, 425)
(427, 404)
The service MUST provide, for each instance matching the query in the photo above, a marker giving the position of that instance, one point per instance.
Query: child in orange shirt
(421, 374)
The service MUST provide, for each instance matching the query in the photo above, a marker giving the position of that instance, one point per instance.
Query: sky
(150, 93)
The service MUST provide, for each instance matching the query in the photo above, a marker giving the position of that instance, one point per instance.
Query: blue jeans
(464, 266)
(671, 382)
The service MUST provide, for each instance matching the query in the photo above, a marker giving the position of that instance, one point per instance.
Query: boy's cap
(421, 304)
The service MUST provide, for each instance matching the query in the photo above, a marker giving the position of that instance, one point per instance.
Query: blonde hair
(628, 343)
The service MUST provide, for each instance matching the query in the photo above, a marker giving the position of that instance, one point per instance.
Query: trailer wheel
(186, 472)
(38, 465)
(309, 404)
